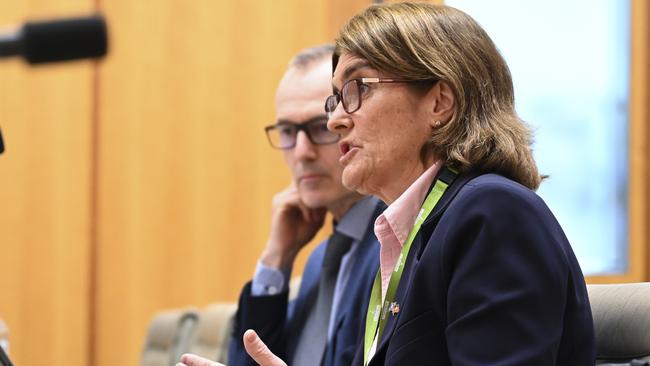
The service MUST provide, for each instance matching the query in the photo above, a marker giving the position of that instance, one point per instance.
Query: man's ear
(442, 103)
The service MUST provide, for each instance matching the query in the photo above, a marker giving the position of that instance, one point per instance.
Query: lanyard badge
(378, 311)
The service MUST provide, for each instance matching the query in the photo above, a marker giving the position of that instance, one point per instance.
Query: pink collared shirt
(392, 227)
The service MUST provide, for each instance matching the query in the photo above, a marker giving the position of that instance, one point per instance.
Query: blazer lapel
(352, 294)
(402, 290)
(299, 318)
(417, 248)
(448, 196)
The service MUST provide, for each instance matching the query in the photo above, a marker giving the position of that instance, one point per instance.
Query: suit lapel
(402, 291)
(449, 195)
(417, 248)
(352, 294)
(304, 303)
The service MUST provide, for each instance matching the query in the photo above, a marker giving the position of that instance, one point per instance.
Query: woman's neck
(389, 193)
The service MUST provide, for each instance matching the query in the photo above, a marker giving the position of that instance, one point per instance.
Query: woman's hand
(259, 351)
(254, 346)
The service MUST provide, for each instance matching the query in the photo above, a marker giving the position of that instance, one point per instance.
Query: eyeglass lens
(350, 96)
(284, 135)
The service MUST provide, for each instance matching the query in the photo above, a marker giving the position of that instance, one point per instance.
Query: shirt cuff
(269, 281)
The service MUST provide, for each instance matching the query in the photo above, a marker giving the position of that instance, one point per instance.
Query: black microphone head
(67, 39)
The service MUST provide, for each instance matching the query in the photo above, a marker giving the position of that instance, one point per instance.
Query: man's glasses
(283, 135)
(352, 91)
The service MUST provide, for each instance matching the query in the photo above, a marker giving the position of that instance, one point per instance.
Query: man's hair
(419, 41)
(310, 55)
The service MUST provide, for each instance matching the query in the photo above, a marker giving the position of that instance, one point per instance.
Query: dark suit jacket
(490, 280)
(279, 324)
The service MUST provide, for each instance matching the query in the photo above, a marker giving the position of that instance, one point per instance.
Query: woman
(475, 270)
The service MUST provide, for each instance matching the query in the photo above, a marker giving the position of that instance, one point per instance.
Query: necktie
(313, 338)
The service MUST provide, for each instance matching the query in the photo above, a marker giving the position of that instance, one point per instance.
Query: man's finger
(259, 351)
(194, 360)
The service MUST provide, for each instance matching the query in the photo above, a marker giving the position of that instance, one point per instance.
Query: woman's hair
(419, 41)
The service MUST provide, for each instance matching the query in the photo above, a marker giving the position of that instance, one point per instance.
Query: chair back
(621, 315)
(213, 332)
(168, 337)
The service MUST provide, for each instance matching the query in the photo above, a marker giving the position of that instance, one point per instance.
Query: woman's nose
(339, 121)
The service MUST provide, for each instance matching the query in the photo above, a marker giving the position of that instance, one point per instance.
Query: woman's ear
(442, 103)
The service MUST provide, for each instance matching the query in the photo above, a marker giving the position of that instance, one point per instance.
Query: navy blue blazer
(490, 280)
(280, 323)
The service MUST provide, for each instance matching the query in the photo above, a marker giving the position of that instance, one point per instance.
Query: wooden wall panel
(185, 173)
(44, 189)
(171, 207)
(639, 134)
(638, 254)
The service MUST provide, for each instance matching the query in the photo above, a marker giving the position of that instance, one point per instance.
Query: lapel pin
(394, 308)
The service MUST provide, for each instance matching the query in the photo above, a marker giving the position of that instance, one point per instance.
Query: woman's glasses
(352, 91)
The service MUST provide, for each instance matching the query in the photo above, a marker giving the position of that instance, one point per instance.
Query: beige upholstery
(168, 335)
(622, 321)
(212, 334)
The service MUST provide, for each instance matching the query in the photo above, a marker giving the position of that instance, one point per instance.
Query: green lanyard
(377, 315)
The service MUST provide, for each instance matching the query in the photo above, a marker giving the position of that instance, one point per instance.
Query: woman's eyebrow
(356, 66)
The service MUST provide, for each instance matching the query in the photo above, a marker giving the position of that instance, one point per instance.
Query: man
(324, 322)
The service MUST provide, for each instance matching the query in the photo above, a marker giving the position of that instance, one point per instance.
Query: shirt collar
(401, 214)
(355, 221)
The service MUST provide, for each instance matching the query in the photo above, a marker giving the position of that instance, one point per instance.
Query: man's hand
(254, 346)
(293, 225)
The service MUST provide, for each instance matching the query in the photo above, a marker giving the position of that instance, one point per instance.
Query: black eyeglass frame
(339, 97)
(304, 126)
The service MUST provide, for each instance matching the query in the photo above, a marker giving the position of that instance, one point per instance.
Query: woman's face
(381, 142)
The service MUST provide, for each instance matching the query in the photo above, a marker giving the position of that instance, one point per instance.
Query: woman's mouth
(347, 151)
(345, 147)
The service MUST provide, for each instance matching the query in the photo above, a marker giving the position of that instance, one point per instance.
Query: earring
(437, 124)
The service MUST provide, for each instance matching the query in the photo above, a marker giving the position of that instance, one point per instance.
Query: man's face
(315, 168)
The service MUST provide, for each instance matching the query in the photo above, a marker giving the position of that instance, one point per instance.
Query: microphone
(57, 40)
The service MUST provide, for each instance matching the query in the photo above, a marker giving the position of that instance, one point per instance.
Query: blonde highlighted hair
(420, 41)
